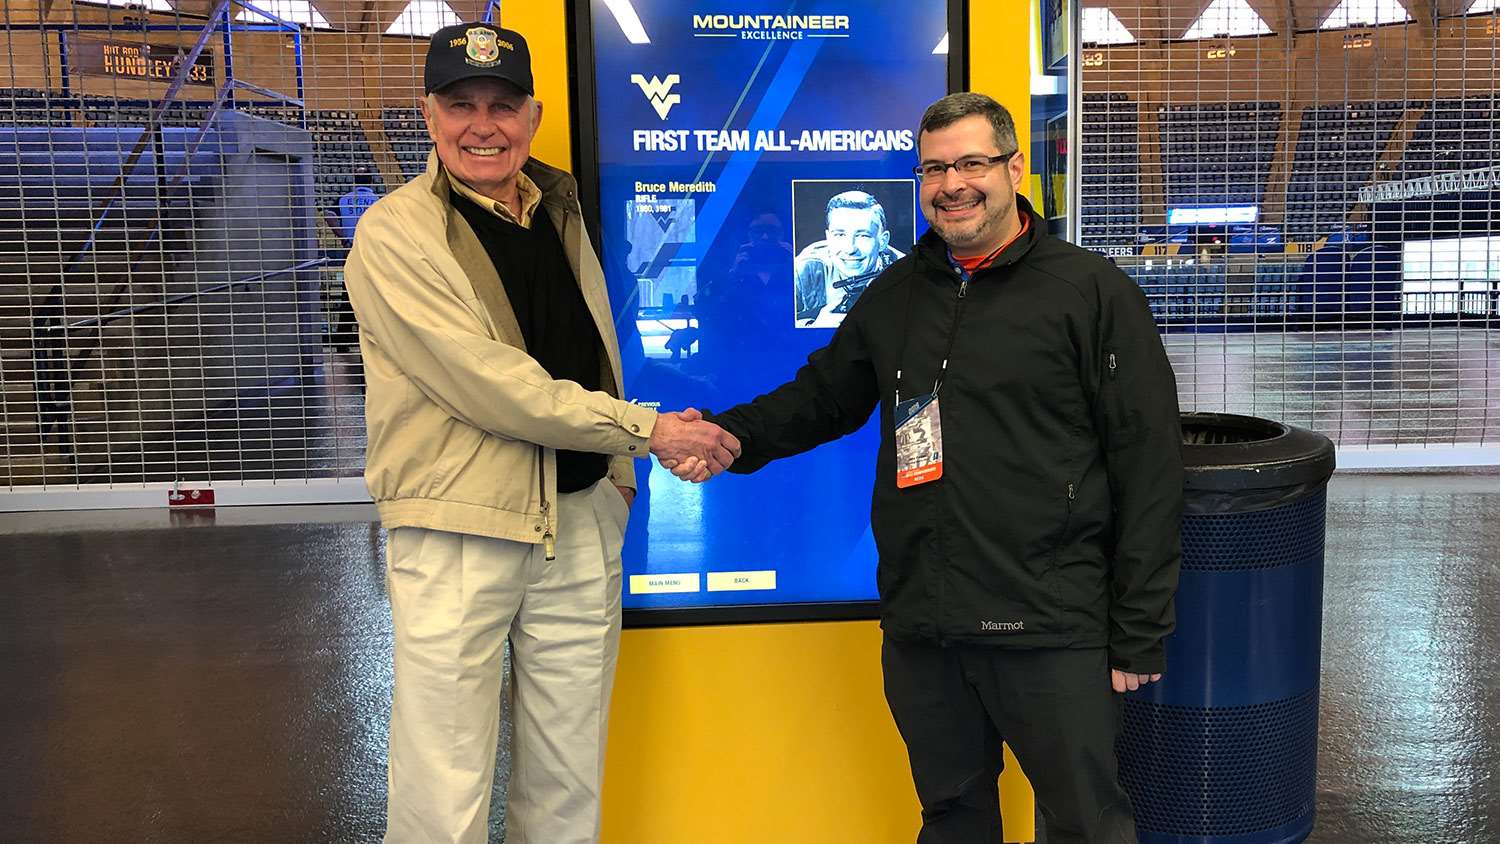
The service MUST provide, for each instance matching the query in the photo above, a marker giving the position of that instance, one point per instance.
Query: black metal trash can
(1225, 747)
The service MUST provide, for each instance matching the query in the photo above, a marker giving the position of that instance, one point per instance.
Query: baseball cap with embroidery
(467, 50)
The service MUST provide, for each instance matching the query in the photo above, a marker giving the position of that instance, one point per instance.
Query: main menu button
(661, 584)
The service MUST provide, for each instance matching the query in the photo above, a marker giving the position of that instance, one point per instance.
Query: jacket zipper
(1068, 514)
(1111, 409)
(1062, 536)
(958, 311)
(549, 544)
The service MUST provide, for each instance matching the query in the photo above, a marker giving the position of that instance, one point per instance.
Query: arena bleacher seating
(1217, 153)
(407, 133)
(1452, 135)
(1338, 147)
(1198, 293)
(1110, 170)
(30, 107)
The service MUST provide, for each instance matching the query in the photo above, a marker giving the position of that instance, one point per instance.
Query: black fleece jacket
(1056, 520)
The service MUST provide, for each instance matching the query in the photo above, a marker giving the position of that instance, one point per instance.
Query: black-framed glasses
(968, 167)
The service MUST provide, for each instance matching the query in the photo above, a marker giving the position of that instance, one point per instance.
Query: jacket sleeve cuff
(1152, 660)
(639, 422)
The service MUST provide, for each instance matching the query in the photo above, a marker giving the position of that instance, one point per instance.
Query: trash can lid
(1227, 452)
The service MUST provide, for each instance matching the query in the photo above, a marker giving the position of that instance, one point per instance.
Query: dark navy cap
(467, 50)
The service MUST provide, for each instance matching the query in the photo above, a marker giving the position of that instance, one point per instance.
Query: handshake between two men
(691, 447)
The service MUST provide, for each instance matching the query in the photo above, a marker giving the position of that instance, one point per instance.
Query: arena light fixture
(149, 5)
(1101, 26)
(423, 17)
(1482, 7)
(1226, 18)
(296, 11)
(629, 21)
(1366, 13)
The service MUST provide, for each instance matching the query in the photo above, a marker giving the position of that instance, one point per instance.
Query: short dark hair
(859, 201)
(956, 107)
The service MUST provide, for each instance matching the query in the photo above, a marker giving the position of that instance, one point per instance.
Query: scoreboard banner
(128, 60)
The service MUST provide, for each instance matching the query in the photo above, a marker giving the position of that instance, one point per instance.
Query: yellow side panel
(757, 733)
(545, 25)
(1000, 62)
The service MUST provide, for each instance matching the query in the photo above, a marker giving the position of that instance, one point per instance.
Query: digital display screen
(1214, 215)
(754, 165)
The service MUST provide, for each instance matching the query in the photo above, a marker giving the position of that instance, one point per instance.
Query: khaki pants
(454, 600)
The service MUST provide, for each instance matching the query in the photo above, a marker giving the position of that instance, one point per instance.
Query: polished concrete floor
(224, 676)
(1361, 389)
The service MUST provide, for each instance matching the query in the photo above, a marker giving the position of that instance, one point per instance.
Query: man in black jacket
(1027, 493)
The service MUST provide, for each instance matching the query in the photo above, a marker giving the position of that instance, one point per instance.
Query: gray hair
(860, 201)
(956, 107)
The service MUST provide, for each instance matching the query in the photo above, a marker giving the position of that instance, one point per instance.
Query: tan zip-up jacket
(463, 423)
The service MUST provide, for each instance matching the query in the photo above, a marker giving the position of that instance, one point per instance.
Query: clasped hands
(691, 447)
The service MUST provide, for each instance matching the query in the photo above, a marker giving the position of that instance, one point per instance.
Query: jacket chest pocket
(1035, 367)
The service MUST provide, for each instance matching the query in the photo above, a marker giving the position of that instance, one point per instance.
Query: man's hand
(693, 449)
(628, 494)
(692, 469)
(1124, 681)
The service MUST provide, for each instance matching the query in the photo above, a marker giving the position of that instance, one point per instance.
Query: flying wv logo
(656, 90)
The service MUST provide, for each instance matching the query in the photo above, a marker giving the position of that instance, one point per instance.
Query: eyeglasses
(968, 167)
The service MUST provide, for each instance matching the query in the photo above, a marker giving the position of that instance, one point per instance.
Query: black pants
(955, 706)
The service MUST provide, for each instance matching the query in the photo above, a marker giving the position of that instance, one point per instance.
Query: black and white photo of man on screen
(831, 273)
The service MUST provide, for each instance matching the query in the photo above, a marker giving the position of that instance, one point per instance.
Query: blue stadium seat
(20, 107)
(407, 133)
(1109, 185)
(1337, 149)
(1218, 153)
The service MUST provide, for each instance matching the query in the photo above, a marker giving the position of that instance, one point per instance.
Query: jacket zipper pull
(963, 288)
(549, 545)
(1112, 365)
(1071, 491)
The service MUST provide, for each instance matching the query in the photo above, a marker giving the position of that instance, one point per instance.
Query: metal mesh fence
(1311, 210)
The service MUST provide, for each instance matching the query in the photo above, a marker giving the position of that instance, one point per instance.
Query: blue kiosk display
(748, 168)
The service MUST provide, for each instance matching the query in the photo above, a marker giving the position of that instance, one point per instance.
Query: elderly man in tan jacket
(500, 458)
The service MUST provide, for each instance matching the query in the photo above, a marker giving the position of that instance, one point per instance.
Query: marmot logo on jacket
(1002, 626)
